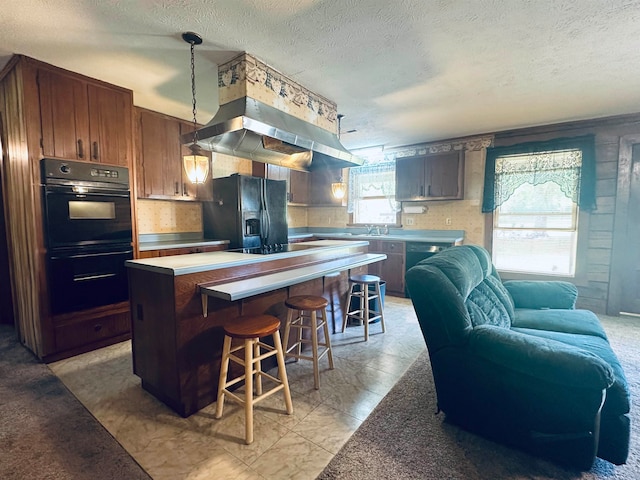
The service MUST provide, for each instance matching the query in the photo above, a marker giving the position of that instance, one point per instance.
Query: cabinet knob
(97, 327)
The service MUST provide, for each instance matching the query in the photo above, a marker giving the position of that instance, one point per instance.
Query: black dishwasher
(416, 251)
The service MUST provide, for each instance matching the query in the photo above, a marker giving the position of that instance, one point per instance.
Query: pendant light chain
(193, 92)
(196, 164)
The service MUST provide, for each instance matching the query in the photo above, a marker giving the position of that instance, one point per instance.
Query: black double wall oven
(88, 233)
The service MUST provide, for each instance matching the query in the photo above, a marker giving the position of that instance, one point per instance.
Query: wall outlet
(409, 221)
(447, 221)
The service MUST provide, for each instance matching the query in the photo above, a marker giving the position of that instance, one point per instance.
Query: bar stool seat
(360, 289)
(305, 309)
(251, 328)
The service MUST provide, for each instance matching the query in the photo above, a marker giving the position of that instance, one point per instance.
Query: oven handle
(90, 190)
(93, 277)
(86, 255)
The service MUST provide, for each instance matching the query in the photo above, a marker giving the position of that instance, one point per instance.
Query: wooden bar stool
(305, 309)
(360, 289)
(251, 328)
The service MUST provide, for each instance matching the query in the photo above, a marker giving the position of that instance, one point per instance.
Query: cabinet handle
(97, 327)
(422, 190)
(95, 151)
(80, 149)
(185, 192)
(429, 191)
(177, 191)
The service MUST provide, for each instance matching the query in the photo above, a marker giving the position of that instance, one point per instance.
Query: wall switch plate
(409, 221)
(447, 221)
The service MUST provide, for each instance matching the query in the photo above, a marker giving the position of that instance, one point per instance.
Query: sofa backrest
(455, 291)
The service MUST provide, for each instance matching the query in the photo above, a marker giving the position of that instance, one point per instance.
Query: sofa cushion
(617, 401)
(542, 294)
(583, 322)
(471, 273)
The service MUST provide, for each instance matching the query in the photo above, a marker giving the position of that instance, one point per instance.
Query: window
(536, 231)
(372, 190)
(534, 191)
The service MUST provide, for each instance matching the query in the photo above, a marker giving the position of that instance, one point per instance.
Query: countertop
(449, 237)
(440, 236)
(201, 262)
(162, 245)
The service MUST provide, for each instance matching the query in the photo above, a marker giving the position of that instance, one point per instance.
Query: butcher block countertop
(201, 262)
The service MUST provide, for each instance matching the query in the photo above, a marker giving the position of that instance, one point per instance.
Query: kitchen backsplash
(160, 216)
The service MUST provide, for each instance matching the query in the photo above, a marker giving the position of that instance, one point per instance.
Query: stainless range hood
(251, 129)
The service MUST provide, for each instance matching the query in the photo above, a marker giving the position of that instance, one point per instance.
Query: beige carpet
(404, 439)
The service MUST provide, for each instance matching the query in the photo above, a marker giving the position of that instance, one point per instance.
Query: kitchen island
(177, 344)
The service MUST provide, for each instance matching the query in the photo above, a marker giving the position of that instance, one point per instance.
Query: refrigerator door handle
(264, 212)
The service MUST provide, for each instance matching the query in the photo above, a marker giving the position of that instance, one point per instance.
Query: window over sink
(372, 190)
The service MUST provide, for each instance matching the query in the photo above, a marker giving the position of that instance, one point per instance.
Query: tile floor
(296, 446)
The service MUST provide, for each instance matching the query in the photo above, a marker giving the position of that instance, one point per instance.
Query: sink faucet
(369, 229)
(385, 231)
(377, 230)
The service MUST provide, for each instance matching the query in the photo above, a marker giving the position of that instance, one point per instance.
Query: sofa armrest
(541, 358)
(539, 294)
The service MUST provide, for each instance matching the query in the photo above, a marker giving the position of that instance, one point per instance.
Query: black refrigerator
(250, 212)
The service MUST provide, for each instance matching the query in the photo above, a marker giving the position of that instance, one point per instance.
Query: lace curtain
(562, 168)
(372, 180)
(570, 163)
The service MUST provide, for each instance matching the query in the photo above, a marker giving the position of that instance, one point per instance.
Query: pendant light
(196, 164)
(339, 188)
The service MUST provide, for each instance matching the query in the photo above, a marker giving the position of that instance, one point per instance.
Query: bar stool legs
(251, 329)
(305, 309)
(359, 289)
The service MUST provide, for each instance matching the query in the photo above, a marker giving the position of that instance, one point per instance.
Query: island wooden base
(177, 351)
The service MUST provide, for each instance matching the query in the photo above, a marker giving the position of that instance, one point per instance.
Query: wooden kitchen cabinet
(159, 158)
(297, 181)
(392, 269)
(84, 120)
(298, 187)
(437, 176)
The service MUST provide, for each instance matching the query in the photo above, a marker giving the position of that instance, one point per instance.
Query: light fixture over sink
(196, 164)
(339, 188)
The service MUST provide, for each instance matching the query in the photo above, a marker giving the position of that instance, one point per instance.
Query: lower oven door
(81, 278)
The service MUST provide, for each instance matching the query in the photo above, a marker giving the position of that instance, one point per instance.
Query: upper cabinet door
(298, 187)
(83, 120)
(64, 111)
(445, 175)
(437, 176)
(159, 159)
(110, 125)
(410, 178)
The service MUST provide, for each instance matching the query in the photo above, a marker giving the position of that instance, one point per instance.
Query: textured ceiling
(401, 72)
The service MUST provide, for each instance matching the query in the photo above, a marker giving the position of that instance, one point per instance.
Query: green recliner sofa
(517, 363)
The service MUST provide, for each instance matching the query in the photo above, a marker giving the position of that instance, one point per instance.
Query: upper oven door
(81, 215)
